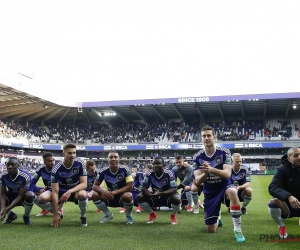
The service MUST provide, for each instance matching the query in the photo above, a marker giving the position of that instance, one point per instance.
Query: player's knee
(81, 195)
(231, 193)
(275, 203)
(248, 191)
(175, 200)
(29, 197)
(46, 196)
(96, 196)
(140, 198)
(194, 188)
(127, 197)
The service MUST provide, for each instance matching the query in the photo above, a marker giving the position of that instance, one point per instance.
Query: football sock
(45, 206)
(189, 198)
(195, 198)
(275, 213)
(27, 208)
(83, 204)
(235, 211)
(246, 200)
(175, 208)
(102, 206)
(60, 206)
(128, 207)
(146, 207)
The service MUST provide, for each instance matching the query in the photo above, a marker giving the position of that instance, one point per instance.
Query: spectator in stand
(246, 135)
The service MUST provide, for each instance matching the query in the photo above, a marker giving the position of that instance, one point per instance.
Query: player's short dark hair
(89, 163)
(12, 158)
(159, 158)
(47, 154)
(205, 128)
(114, 152)
(178, 157)
(69, 145)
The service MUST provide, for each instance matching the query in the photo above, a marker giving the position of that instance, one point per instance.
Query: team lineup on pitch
(219, 175)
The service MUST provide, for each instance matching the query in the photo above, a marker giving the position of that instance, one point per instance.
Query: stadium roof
(17, 105)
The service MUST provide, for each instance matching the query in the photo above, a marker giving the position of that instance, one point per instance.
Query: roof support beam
(242, 109)
(50, 115)
(12, 109)
(197, 106)
(40, 113)
(85, 116)
(159, 114)
(265, 109)
(221, 112)
(288, 108)
(179, 112)
(124, 118)
(24, 113)
(75, 117)
(135, 110)
(63, 115)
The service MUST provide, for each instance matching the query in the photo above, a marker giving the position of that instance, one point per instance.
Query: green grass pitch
(189, 233)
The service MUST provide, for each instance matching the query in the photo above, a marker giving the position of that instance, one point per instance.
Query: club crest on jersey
(75, 171)
(164, 182)
(69, 180)
(218, 160)
(241, 176)
(120, 177)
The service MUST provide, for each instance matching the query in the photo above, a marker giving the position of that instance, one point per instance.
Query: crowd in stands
(134, 132)
(139, 132)
(23, 130)
(283, 129)
(27, 163)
